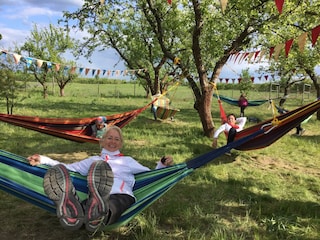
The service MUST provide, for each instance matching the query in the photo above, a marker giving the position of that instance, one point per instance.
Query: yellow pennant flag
(277, 50)
(17, 58)
(223, 5)
(302, 39)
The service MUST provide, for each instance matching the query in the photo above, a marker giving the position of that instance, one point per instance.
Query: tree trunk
(62, 92)
(314, 79)
(203, 106)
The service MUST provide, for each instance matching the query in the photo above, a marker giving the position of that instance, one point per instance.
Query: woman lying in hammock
(110, 179)
(230, 128)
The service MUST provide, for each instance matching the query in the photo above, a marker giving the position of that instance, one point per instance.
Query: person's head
(100, 122)
(231, 118)
(112, 139)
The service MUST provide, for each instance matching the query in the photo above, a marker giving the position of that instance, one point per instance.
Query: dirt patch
(69, 157)
(270, 163)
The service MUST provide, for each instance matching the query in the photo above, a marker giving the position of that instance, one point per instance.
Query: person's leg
(231, 135)
(100, 181)
(59, 188)
(118, 204)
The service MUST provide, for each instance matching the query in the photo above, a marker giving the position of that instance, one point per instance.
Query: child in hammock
(110, 179)
(230, 128)
(99, 127)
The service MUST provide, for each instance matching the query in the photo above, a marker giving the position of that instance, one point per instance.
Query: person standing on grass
(242, 103)
(230, 128)
(110, 179)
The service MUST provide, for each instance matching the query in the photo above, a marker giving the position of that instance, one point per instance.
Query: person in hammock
(99, 127)
(230, 128)
(110, 178)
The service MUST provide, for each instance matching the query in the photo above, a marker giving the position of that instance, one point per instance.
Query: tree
(153, 34)
(9, 83)
(299, 62)
(48, 44)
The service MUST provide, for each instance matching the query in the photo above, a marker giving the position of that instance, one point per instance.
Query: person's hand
(167, 160)
(34, 159)
(215, 143)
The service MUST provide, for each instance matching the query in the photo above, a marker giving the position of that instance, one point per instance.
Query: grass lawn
(270, 193)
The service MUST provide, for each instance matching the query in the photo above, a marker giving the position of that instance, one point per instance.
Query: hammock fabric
(22, 180)
(74, 129)
(234, 102)
(164, 109)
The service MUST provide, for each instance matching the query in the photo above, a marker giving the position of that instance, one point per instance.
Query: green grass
(271, 193)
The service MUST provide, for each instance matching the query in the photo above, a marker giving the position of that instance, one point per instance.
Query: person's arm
(241, 121)
(37, 159)
(165, 161)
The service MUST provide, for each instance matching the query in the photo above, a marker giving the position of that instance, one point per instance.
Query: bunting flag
(39, 63)
(223, 5)
(57, 67)
(315, 34)
(277, 50)
(170, 2)
(302, 39)
(279, 4)
(288, 46)
(17, 58)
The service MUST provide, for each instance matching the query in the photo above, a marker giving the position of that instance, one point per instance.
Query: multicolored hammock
(74, 129)
(164, 109)
(19, 178)
(234, 102)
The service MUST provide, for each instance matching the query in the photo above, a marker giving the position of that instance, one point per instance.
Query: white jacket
(123, 168)
(240, 121)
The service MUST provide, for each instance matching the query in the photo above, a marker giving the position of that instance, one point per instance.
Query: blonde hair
(112, 127)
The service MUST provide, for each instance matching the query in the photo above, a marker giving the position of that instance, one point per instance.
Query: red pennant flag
(266, 77)
(279, 4)
(288, 46)
(169, 1)
(252, 79)
(227, 80)
(239, 80)
(271, 52)
(315, 34)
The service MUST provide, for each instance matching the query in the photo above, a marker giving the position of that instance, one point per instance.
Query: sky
(17, 18)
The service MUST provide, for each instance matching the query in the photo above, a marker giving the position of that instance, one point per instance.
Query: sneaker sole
(100, 181)
(59, 188)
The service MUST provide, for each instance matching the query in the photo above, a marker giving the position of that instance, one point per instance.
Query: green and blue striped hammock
(22, 180)
(234, 102)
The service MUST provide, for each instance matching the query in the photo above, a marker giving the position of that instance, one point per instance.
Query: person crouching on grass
(110, 179)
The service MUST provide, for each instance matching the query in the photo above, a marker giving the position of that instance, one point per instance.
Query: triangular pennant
(86, 71)
(315, 34)
(73, 69)
(271, 52)
(288, 45)
(93, 71)
(279, 4)
(103, 72)
(277, 50)
(261, 55)
(255, 55)
(250, 57)
(49, 65)
(266, 77)
(17, 58)
(237, 55)
(98, 72)
(302, 39)
(57, 67)
(39, 63)
(223, 5)
(252, 79)
(29, 61)
(81, 70)
(169, 1)
(227, 80)
(239, 80)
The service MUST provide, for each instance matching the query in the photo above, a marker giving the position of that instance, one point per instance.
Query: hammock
(74, 129)
(234, 102)
(164, 109)
(22, 180)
